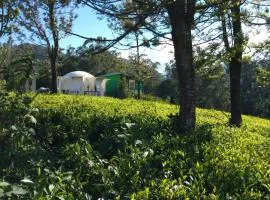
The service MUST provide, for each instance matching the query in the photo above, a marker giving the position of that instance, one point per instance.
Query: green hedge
(81, 147)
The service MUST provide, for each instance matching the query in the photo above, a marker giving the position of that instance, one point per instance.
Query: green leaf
(26, 180)
(2, 193)
(18, 190)
(51, 187)
(31, 119)
(4, 184)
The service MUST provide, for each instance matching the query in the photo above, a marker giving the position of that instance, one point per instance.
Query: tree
(8, 13)
(167, 89)
(143, 70)
(177, 15)
(255, 96)
(235, 59)
(221, 23)
(212, 80)
(16, 66)
(233, 17)
(17, 72)
(83, 59)
(181, 15)
(47, 22)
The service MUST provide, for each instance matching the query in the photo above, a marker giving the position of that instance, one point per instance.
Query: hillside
(77, 147)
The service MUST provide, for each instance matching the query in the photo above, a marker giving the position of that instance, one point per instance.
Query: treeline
(73, 59)
(212, 87)
(212, 83)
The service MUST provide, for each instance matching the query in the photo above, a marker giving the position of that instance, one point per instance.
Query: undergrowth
(79, 147)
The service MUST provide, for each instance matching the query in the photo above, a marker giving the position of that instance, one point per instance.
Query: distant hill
(39, 51)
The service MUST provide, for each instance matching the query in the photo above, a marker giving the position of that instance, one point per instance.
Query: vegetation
(78, 147)
(85, 147)
(8, 12)
(212, 85)
(223, 27)
(185, 23)
(47, 22)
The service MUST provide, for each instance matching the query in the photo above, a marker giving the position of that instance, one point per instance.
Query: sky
(87, 24)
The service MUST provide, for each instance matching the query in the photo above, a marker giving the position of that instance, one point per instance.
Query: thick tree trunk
(181, 14)
(235, 90)
(235, 67)
(53, 50)
(54, 74)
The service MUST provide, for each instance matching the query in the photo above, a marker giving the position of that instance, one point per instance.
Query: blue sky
(88, 25)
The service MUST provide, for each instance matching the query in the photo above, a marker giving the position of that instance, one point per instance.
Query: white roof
(78, 74)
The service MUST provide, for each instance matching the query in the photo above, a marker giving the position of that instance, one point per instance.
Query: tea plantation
(78, 147)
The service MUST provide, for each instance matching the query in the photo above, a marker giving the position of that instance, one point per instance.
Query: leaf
(187, 183)
(18, 190)
(26, 180)
(129, 125)
(14, 128)
(145, 154)
(1, 193)
(4, 184)
(51, 187)
(137, 142)
(121, 136)
(31, 119)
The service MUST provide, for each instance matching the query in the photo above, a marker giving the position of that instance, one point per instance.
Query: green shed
(115, 79)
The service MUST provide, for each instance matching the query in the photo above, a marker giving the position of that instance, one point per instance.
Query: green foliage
(83, 59)
(8, 191)
(256, 88)
(89, 147)
(9, 12)
(17, 72)
(16, 138)
(167, 89)
(123, 89)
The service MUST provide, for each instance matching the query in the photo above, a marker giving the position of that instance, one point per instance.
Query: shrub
(89, 147)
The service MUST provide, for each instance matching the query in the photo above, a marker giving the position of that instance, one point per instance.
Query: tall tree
(223, 23)
(235, 52)
(181, 15)
(236, 65)
(157, 17)
(47, 21)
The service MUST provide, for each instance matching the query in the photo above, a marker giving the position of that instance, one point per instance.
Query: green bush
(91, 147)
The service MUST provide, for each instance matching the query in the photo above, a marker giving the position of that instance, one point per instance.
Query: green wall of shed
(112, 85)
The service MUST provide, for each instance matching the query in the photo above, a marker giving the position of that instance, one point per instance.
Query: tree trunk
(139, 90)
(53, 73)
(54, 48)
(235, 90)
(138, 63)
(235, 67)
(181, 14)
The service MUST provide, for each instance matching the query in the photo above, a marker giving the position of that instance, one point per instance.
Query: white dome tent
(77, 82)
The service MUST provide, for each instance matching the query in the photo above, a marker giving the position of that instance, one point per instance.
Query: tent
(77, 82)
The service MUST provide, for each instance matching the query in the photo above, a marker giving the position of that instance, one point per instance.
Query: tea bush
(82, 147)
